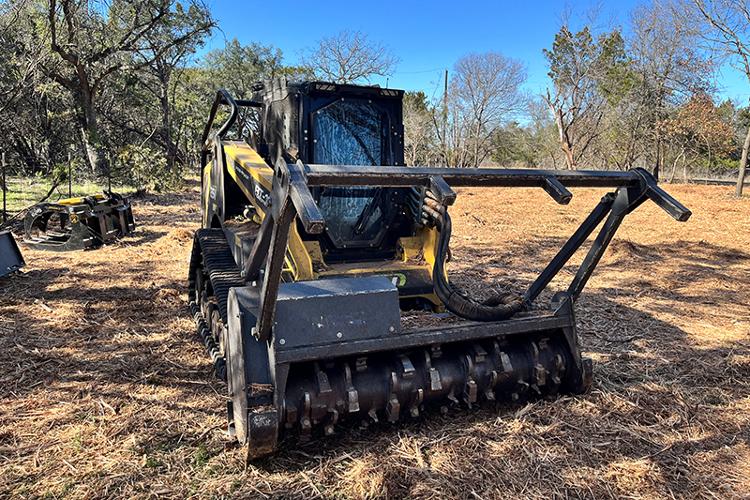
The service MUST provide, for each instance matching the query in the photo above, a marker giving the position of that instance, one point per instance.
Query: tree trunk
(96, 155)
(564, 140)
(674, 166)
(569, 161)
(169, 142)
(476, 144)
(166, 117)
(743, 165)
(684, 173)
(91, 155)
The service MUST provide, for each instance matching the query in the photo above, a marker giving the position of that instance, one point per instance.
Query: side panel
(223, 196)
(206, 198)
(213, 190)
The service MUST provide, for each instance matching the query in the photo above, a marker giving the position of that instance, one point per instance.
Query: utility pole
(445, 117)
(70, 175)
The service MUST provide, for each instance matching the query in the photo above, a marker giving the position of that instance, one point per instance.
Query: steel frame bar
(623, 204)
(394, 176)
(570, 247)
(291, 198)
(283, 213)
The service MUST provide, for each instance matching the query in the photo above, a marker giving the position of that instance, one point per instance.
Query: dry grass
(105, 392)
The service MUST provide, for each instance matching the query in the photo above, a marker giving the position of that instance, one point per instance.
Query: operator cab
(331, 124)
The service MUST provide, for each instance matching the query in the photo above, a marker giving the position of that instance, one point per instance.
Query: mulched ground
(105, 391)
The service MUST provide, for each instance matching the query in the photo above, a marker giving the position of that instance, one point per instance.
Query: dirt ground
(106, 392)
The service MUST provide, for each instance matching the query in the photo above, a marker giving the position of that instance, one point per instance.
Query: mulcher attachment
(11, 259)
(386, 374)
(305, 356)
(78, 223)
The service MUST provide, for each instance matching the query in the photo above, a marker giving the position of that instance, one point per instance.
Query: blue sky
(428, 37)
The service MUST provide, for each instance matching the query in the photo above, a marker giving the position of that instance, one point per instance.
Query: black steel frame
(291, 198)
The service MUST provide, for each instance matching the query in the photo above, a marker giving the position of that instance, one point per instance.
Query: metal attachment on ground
(78, 223)
(11, 259)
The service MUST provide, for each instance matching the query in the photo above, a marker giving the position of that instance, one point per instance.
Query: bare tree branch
(349, 57)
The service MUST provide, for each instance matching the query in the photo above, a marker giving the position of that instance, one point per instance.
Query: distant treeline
(117, 86)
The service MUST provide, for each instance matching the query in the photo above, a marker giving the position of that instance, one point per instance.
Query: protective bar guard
(291, 198)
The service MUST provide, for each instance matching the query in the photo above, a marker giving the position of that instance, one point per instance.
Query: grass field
(106, 392)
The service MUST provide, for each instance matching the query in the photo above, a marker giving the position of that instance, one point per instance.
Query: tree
(162, 55)
(698, 129)
(34, 112)
(17, 65)
(484, 93)
(586, 74)
(726, 26)
(238, 67)
(514, 145)
(670, 66)
(419, 134)
(349, 57)
(118, 82)
(94, 42)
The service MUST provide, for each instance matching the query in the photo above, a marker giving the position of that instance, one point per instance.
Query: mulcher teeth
(466, 374)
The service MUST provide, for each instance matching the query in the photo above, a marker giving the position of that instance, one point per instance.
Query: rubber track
(219, 265)
(210, 249)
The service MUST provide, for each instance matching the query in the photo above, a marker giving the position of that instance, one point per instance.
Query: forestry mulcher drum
(316, 236)
(78, 223)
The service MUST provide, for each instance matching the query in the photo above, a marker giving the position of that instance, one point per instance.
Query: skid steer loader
(315, 236)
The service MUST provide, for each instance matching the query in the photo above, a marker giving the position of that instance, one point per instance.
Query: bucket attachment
(11, 259)
(78, 223)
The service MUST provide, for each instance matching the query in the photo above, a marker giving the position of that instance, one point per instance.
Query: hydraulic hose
(495, 308)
